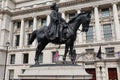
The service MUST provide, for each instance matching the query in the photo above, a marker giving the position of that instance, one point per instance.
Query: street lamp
(7, 45)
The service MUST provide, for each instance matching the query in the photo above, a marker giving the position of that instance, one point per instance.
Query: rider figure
(57, 24)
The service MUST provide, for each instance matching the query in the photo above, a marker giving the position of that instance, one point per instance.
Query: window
(29, 35)
(12, 59)
(43, 22)
(11, 74)
(71, 15)
(25, 58)
(55, 56)
(17, 40)
(89, 35)
(30, 23)
(110, 51)
(89, 50)
(41, 58)
(18, 24)
(23, 70)
(105, 12)
(107, 32)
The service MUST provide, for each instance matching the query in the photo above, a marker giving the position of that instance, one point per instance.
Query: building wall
(12, 12)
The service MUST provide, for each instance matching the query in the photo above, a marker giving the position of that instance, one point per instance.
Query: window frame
(110, 52)
(105, 12)
(90, 35)
(107, 32)
(24, 59)
(12, 58)
(10, 71)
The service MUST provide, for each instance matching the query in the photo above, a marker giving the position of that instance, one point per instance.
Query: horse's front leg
(65, 54)
(72, 53)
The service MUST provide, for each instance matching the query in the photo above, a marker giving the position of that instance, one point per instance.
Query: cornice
(6, 12)
(46, 7)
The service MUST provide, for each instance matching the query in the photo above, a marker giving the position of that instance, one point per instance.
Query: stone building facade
(18, 18)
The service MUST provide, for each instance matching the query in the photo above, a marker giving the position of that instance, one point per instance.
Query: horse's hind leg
(65, 54)
(40, 47)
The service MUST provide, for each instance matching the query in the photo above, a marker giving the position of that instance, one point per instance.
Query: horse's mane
(74, 18)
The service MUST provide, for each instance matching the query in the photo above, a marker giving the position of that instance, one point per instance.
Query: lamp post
(7, 45)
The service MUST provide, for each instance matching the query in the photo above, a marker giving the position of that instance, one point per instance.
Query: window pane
(107, 32)
(40, 58)
(105, 12)
(17, 40)
(71, 15)
(25, 58)
(30, 23)
(89, 50)
(110, 51)
(12, 59)
(43, 22)
(11, 74)
(89, 35)
(18, 24)
(29, 35)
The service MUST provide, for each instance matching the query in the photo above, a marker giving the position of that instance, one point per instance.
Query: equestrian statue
(60, 32)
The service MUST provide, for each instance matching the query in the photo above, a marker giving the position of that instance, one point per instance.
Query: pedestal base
(55, 72)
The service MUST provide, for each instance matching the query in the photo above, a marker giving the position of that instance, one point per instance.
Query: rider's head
(54, 6)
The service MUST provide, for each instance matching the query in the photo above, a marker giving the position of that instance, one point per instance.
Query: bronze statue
(45, 36)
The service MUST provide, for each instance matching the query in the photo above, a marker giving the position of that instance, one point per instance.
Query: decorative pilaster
(63, 15)
(4, 29)
(11, 33)
(34, 27)
(116, 21)
(97, 24)
(99, 73)
(22, 33)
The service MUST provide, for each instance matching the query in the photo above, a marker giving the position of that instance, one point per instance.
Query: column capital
(95, 6)
(22, 18)
(77, 9)
(62, 11)
(114, 3)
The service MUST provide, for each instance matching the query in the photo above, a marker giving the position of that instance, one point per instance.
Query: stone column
(97, 24)
(22, 33)
(63, 15)
(48, 20)
(34, 27)
(11, 33)
(116, 21)
(80, 34)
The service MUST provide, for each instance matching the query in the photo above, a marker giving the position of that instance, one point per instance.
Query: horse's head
(85, 20)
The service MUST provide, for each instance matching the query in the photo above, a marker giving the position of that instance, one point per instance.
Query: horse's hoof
(73, 62)
(64, 62)
(36, 63)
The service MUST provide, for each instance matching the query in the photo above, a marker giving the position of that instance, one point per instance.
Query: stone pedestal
(55, 72)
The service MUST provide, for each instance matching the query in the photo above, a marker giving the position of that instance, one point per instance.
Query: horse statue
(74, 24)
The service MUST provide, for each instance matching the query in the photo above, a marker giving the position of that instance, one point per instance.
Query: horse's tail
(32, 38)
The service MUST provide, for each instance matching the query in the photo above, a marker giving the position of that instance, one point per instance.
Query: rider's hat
(53, 5)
